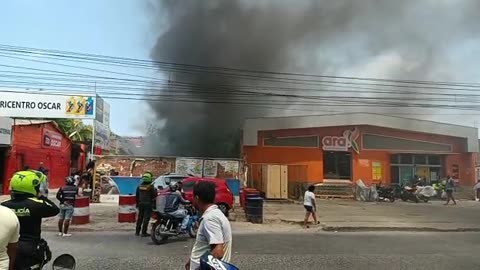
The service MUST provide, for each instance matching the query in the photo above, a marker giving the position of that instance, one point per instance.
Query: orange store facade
(373, 148)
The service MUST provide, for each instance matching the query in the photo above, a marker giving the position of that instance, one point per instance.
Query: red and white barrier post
(127, 211)
(81, 212)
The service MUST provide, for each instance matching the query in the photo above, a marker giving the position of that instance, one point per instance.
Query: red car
(224, 197)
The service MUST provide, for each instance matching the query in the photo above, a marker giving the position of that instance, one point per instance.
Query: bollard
(81, 212)
(126, 208)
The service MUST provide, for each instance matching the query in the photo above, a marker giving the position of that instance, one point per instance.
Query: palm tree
(75, 129)
(80, 132)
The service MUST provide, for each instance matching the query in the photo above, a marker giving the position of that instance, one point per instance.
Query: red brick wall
(135, 166)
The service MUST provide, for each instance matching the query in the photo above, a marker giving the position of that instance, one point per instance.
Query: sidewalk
(334, 215)
(369, 216)
(103, 217)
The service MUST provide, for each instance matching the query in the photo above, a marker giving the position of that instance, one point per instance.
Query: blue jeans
(66, 211)
(183, 214)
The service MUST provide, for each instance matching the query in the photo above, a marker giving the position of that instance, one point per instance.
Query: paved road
(392, 251)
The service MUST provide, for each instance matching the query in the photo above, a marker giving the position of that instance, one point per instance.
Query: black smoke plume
(407, 39)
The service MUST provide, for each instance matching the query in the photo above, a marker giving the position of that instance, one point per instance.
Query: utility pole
(93, 124)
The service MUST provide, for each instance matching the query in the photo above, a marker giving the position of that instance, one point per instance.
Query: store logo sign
(342, 143)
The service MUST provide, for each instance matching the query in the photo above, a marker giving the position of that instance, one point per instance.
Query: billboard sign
(342, 143)
(106, 114)
(99, 109)
(102, 135)
(51, 139)
(6, 130)
(39, 105)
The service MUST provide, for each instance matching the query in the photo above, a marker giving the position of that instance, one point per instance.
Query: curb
(328, 228)
(77, 229)
(395, 229)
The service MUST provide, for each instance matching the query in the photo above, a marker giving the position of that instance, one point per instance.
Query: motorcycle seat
(167, 215)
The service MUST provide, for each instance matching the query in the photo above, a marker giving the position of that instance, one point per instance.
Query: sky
(125, 28)
(107, 27)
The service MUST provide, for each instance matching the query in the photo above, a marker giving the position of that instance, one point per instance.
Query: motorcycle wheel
(392, 199)
(156, 235)
(404, 197)
(193, 229)
(425, 199)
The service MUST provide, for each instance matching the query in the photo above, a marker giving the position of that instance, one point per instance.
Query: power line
(137, 62)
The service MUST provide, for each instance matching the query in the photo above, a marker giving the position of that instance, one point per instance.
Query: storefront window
(395, 159)
(337, 165)
(406, 159)
(434, 160)
(420, 159)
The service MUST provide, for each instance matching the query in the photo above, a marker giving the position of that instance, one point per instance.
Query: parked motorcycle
(409, 194)
(424, 193)
(385, 193)
(165, 225)
(417, 193)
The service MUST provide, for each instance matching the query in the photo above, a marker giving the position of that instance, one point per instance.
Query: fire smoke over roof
(408, 39)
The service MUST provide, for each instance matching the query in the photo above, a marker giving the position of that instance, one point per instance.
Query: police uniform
(32, 249)
(145, 196)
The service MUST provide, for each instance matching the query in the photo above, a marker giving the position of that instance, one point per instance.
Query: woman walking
(310, 205)
(449, 188)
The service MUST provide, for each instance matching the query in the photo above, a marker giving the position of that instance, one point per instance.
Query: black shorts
(308, 208)
(449, 192)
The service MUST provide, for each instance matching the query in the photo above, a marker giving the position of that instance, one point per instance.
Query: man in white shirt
(9, 234)
(214, 233)
(309, 205)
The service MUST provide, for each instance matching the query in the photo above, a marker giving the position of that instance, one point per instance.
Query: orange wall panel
(311, 157)
(362, 162)
(466, 166)
(362, 165)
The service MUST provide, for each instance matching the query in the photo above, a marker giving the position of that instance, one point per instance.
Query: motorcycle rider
(145, 196)
(180, 188)
(172, 202)
(30, 207)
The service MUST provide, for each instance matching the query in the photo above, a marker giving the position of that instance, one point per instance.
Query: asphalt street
(392, 251)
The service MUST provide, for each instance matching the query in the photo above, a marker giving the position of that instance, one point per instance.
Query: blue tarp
(126, 185)
(234, 186)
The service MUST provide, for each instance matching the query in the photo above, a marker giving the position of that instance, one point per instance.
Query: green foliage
(75, 129)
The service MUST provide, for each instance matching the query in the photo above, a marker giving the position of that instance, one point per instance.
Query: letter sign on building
(342, 143)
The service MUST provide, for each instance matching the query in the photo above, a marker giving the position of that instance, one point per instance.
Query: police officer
(30, 208)
(145, 196)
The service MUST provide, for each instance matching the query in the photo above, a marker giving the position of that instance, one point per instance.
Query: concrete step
(238, 215)
(327, 189)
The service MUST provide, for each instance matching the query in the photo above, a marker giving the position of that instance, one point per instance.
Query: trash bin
(254, 209)
(245, 205)
(246, 193)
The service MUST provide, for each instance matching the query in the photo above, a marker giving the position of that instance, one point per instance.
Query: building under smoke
(201, 110)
